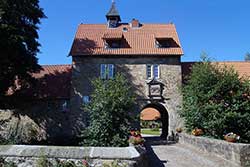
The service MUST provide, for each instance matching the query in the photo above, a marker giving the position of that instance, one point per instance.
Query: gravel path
(177, 155)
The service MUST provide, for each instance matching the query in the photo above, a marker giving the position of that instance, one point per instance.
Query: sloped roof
(53, 82)
(243, 68)
(89, 40)
(118, 35)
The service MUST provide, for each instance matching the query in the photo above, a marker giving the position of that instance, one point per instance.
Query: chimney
(135, 23)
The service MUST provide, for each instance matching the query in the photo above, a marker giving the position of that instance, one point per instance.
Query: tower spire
(113, 16)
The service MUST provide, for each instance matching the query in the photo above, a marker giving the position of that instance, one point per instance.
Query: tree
(247, 56)
(216, 100)
(19, 20)
(110, 113)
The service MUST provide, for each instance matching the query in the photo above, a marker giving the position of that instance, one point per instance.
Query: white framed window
(153, 71)
(149, 71)
(65, 106)
(107, 71)
(85, 100)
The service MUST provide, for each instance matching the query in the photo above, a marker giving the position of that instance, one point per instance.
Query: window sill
(150, 79)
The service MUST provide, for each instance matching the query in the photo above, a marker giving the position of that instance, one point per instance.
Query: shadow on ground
(153, 159)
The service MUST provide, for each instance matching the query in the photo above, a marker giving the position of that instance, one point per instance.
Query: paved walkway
(177, 155)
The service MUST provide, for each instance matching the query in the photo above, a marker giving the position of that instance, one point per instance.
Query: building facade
(144, 53)
(149, 55)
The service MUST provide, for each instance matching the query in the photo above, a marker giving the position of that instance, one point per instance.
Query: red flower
(132, 132)
(85, 163)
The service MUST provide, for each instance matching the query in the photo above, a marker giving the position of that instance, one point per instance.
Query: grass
(150, 132)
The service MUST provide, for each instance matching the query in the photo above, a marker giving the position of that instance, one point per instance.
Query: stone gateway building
(147, 54)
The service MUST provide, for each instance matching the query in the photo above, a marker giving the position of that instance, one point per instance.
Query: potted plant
(132, 132)
(197, 132)
(231, 137)
(135, 138)
(178, 130)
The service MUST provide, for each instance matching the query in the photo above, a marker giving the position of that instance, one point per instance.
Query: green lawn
(150, 132)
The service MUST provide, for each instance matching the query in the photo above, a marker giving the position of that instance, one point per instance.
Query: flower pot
(197, 132)
(231, 140)
(178, 130)
(231, 137)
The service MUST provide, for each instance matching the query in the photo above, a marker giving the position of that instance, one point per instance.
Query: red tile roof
(118, 35)
(89, 40)
(53, 82)
(150, 114)
(243, 68)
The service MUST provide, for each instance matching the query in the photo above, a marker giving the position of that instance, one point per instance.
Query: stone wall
(39, 122)
(27, 156)
(234, 152)
(134, 68)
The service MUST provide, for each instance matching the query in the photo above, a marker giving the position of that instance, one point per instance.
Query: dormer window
(112, 44)
(165, 43)
(114, 40)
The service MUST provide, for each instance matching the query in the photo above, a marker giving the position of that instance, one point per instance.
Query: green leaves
(110, 113)
(19, 45)
(216, 100)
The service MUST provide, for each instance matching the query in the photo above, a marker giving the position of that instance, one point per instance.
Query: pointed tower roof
(113, 12)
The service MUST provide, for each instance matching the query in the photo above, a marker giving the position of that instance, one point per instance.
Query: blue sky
(220, 28)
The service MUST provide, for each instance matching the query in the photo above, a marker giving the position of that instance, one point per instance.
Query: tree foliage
(110, 113)
(247, 56)
(217, 100)
(19, 20)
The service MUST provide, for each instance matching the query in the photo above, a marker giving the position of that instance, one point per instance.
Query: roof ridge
(56, 65)
(227, 61)
(233, 61)
(128, 23)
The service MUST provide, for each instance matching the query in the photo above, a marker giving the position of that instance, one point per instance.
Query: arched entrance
(156, 111)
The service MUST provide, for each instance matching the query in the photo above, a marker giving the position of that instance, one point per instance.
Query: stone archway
(154, 111)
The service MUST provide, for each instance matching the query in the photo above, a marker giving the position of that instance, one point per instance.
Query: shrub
(4, 163)
(66, 164)
(217, 100)
(43, 161)
(110, 112)
(150, 124)
(115, 164)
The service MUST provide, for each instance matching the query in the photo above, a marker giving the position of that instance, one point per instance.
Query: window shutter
(103, 71)
(65, 106)
(111, 71)
(85, 99)
(156, 71)
(149, 71)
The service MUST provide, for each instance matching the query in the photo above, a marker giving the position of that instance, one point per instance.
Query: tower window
(153, 71)
(107, 71)
(112, 23)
